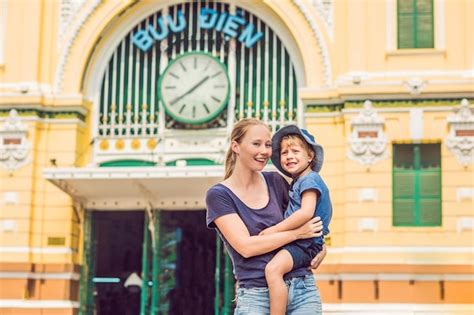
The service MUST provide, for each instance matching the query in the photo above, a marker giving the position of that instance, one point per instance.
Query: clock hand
(174, 101)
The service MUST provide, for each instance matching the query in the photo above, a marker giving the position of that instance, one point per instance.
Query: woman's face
(255, 148)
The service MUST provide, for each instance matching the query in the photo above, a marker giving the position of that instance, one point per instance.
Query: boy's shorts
(302, 254)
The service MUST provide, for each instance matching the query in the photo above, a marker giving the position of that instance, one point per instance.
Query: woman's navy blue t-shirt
(220, 200)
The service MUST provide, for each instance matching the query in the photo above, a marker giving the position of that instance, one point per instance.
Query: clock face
(194, 88)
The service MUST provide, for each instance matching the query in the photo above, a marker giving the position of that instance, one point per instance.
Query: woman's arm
(238, 236)
(299, 217)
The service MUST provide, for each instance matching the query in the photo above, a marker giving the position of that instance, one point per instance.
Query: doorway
(192, 290)
(185, 265)
(118, 251)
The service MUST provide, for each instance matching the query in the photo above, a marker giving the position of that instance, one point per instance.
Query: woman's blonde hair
(238, 132)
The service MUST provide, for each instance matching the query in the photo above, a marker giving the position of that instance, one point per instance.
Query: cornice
(61, 112)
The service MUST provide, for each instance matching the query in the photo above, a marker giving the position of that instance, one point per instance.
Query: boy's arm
(299, 217)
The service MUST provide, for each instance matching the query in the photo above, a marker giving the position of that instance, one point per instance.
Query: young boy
(296, 154)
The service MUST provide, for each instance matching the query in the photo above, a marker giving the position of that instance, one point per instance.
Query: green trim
(40, 113)
(324, 108)
(144, 294)
(127, 163)
(193, 162)
(229, 284)
(312, 108)
(224, 281)
(217, 277)
(156, 291)
(86, 290)
(216, 112)
(404, 103)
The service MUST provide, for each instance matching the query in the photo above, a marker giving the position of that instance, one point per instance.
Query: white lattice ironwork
(461, 134)
(14, 145)
(367, 142)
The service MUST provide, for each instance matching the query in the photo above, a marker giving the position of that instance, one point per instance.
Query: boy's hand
(317, 260)
(268, 230)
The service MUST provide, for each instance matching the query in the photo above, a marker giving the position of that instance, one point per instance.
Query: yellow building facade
(115, 117)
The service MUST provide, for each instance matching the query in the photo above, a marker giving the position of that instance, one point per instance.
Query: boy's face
(294, 157)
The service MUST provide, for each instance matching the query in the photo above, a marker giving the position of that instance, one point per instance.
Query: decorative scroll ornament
(367, 142)
(461, 134)
(14, 146)
(415, 85)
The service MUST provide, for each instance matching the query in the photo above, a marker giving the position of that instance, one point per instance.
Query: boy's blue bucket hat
(291, 130)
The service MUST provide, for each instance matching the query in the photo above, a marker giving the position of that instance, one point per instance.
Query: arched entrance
(172, 254)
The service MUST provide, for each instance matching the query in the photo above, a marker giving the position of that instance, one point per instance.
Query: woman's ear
(235, 147)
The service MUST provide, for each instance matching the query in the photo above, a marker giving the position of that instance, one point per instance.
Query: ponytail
(229, 163)
(238, 132)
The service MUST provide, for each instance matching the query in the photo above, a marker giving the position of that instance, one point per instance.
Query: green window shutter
(430, 198)
(416, 185)
(406, 37)
(429, 212)
(403, 202)
(404, 184)
(406, 24)
(429, 184)
(405, 214)
(415, 24)
(424, 31)
(404, 180)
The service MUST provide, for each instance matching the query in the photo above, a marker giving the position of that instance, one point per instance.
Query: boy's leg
(280, 264)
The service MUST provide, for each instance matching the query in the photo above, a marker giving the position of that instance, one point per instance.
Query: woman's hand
(318, 259)
(312, 228)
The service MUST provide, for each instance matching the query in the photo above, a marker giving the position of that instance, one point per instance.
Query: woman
(248, 201)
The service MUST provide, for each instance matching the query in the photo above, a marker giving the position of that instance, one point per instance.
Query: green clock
(194, 88)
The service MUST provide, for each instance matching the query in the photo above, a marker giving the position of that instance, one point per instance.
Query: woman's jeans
(303, 298)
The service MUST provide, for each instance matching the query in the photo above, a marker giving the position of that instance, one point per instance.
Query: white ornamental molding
(14, 145)
(367, 142)
(68, 10)
(320, 40)
(325, 9)
(66, 44)
(460, 140)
